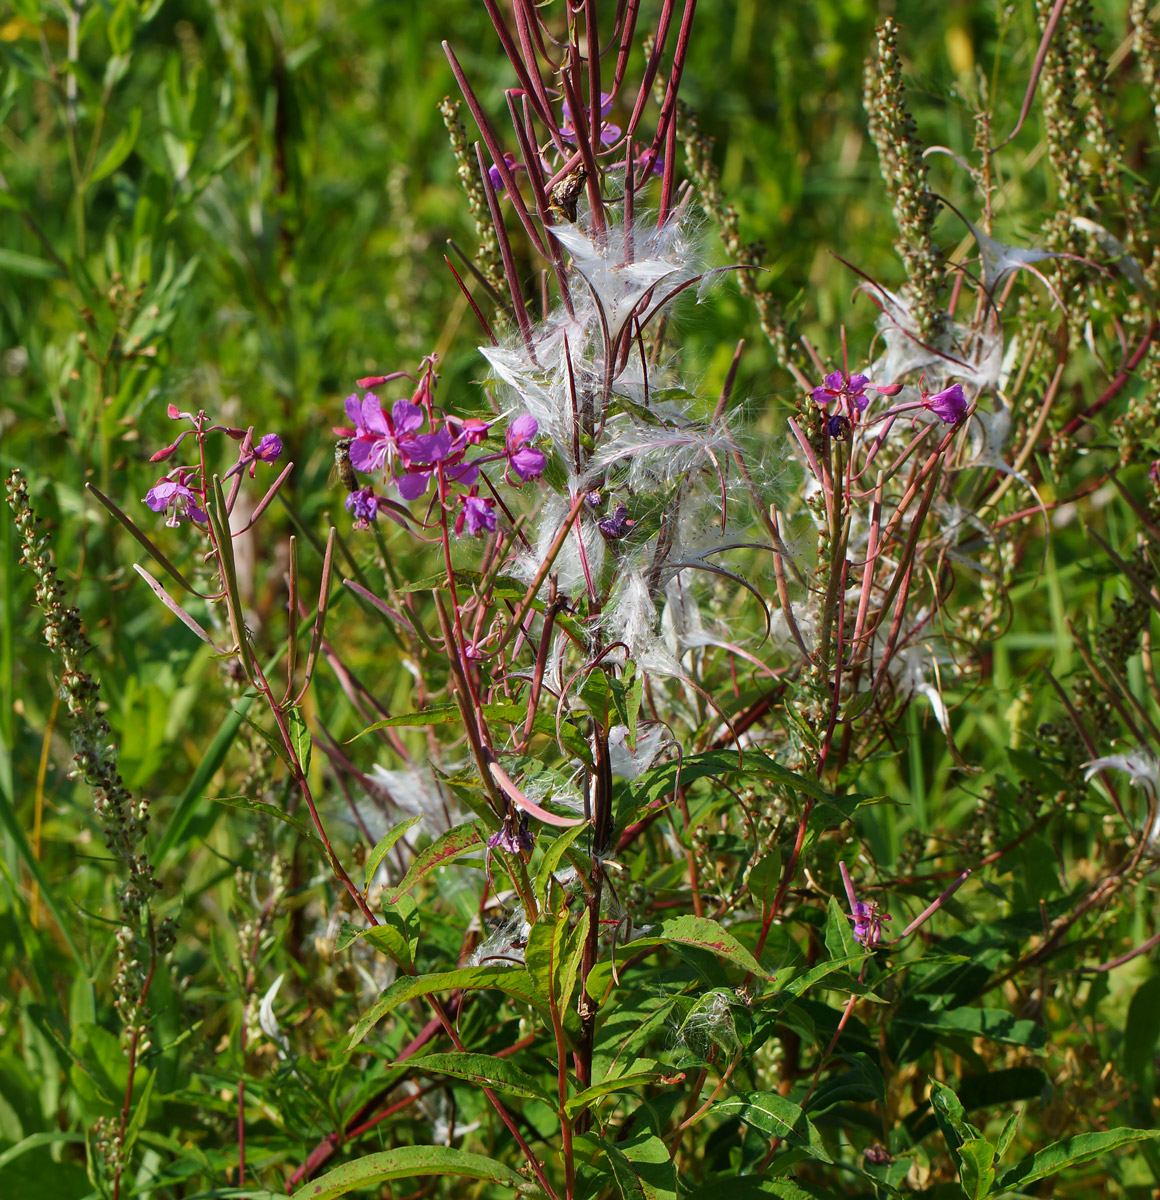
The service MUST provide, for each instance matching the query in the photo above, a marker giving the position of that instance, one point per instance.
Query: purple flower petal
(527, 462)
(465, 473)
(823, 396)
(950, 405)
(479, 514)
(363, 505)
(412, 485)
(160, 494)
(407, 416)
(835, 382)
(368, 455)
(522, 430)
(353, 408)
(269, 448)
(857, 384)
(372, 416)
(427, 447)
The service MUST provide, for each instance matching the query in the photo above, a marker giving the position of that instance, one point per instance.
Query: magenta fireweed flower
(378, 438)
(837, 387)
(169, 493)
(269, 449)
(850, 393)
(523, 459)
(477, 514)
(364, 506)
(373, 436)
(472, 430)
(949, 405)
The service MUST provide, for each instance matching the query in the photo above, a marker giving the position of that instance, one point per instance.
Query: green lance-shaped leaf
(450, 846)
(406, 1162)
(952, 1119)
(553, 852)
(641, 1166)
(270, 810)
(775, 1116)
(143, 539)
(300, 738)
(977, 1168)
(553, 955)
(385, 843)
(484, 1070)
(699, 933)
(514, 981)
(1069, 1153)
(120, 148)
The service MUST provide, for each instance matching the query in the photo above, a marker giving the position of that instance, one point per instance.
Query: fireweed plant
(600, 904)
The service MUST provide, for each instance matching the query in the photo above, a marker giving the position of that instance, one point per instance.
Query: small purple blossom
(269, 449)
(364, 506)
(173, 493)
(477, 514)
(837, 387)
(512, 837)
(867, 919)
(616, 524)
(472, 430)
(850, 394)
(838, 426)
(949, 405)
(523, 459)
(496, 177)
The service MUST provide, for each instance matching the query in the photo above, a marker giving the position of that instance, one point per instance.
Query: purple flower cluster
(413, 443)
(172, 494)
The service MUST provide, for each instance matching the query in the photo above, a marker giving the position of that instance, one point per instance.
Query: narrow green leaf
(1070, 1153)
(453, 844)
(141, 538)
(619, 1083)
(300, 737)
(951, 1118)
(260, 806)
(16, 263)
(840, 933)
(977, 1170)
(121, 146)
(514, 981)
(996, 1024)
(406, 1162)
(553, 852)
(382, 849)
(485, 1070)
(36, 1140)
(642, 1167)
(775, 1116)
(702, 934)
